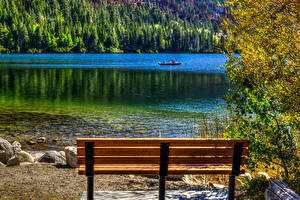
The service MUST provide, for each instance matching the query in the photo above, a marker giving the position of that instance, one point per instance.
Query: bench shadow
(153, 195)
(204, 196)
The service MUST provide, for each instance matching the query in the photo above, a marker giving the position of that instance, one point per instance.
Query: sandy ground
(46, 181)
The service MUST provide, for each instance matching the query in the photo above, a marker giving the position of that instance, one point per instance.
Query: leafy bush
(255, 188)
(294, 182)
(264, 101)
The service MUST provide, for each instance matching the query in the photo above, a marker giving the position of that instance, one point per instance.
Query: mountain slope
(196, 10)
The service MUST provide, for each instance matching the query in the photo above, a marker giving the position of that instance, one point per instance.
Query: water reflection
(109, 85)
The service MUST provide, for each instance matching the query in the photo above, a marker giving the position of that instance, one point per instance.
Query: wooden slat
(155, 151)
(122, 151)
(154, 142)
(154, 169)
(156, 160)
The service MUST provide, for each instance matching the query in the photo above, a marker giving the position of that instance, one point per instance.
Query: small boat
(175, 63)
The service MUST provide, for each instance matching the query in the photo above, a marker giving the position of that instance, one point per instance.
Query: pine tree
(62, 25)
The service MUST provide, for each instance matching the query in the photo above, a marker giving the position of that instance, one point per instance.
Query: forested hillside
(196, 10)
(39, 26)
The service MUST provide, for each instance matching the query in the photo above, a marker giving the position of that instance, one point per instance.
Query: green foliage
(265, 97)
(34, 50)
(255, 188)
(66, 40)
(75, 25)
(294, 183)
(51, 41)
(2, 49)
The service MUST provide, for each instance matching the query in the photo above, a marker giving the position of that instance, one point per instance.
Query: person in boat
(172, 61)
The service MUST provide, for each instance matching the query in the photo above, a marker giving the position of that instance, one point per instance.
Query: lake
(111, 95)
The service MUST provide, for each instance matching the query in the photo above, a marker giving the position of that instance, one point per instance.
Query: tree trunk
(277, 190)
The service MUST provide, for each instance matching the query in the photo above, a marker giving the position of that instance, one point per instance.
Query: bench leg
(162, 187)
(164, 161)
(236, 164)
(231, 187)
(90, 188)
(89, 164)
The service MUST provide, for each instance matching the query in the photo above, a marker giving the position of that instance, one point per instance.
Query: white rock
(247, 176)
(41, 140)
(6, 151)
(36, 155)
(62, 153)
(16, 147)
(25, 157)
(219, 186)
(13, 161)
(244, 178)
(71, 156)
(263, 174)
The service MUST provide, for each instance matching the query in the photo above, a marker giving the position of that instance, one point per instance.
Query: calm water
(118, 95)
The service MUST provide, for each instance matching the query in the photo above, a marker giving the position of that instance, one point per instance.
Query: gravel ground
(46, 181)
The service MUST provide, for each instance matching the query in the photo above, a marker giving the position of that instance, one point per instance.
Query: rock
(71, 156)
(247, 175)
(13, 161)
(209, 185)
(16, 147)
(20, 157)
(263, 174)
(219, 186)
(6, 151)
(62, 153)
(25, 157)
(53, 157)
(30, 142)
(131, 176)
(37, 155)
(56, 140)
(1, 165)
(41, 140)
(244, 178)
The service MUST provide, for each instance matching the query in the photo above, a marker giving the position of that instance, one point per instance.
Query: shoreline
(117, 53)
(46, 181)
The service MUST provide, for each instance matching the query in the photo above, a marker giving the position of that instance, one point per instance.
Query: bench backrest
(147, 151)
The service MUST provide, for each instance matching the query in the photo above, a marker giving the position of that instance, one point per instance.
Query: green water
(67, 96)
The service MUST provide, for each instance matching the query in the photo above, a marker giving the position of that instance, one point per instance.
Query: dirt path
(46, 181)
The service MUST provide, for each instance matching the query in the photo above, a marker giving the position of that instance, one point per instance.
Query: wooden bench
(158, 156)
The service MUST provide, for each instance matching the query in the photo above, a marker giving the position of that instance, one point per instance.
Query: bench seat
(154, 169)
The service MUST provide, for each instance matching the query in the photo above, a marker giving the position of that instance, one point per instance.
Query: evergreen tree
(80, 26)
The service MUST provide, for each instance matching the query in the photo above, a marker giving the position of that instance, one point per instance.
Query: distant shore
(115, 53)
